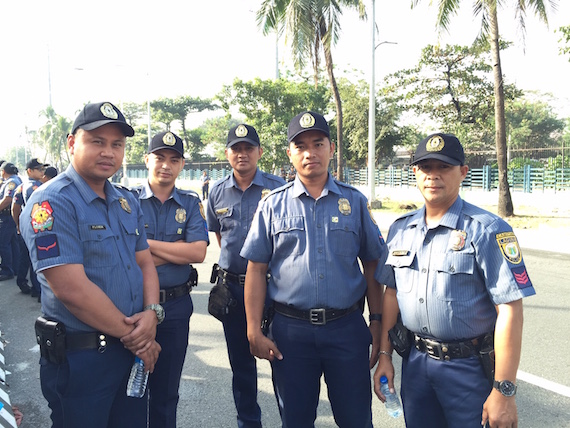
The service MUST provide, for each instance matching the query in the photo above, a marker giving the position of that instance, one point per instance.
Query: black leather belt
(316, 316)
(94, 340)
(447, 350)
(234, 277)
(166, 294)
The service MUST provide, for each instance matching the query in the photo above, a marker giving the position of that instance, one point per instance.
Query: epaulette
(188, 192)
(221, 180)
(343, 184)
(479, 214)
(282, 188)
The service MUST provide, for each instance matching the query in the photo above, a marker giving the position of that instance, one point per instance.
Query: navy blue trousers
(164, 382)
(443, 394)
(9, 250)
(89, 390)
(243, 364)
(339, 350)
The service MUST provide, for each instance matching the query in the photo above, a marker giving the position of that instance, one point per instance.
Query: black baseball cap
(307, 121)
(443, 147)
(242, 132)
(34, 163)
(9, 167)
(50, 172)
(95, 115)
(166, 140)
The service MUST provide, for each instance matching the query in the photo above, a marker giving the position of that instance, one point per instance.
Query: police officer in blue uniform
(9, 253)
(99, 284)
(231, 205)
(456, 274)
(310, 234)
(177, 235)
(35, 171)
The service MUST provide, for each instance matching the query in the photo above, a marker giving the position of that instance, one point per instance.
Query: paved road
(205, 392)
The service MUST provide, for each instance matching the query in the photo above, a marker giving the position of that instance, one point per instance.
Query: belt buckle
(318, 316)
(161, 296)
(433, 349)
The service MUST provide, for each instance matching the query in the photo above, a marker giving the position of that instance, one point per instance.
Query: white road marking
(544, 383)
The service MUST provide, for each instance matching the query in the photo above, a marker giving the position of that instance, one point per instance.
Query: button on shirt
(181, 217)
(230, 213)
(312, 246)
(65, 222)
(450, 277)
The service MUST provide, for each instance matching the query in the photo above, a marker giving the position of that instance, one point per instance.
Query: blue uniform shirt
(450, 277)
(65, 222)
(181, 217)
(8, 189)
(28, 188)
(230, 213)
(312, 246)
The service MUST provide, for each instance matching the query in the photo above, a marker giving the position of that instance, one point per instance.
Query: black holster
(487, 356)
(50, 335)
(193, 278)
(268, 314)
(221, 299)
(401, 338)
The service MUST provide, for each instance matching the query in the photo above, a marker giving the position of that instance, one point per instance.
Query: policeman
(9, 250)
(456, 274)
(177, 236)
(35, 171)
(231, 206)
(99, 284)
(311, 233)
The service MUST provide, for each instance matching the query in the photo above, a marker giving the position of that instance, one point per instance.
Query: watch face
(507, 388)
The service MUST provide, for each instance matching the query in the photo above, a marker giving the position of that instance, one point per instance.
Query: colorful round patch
(509, 247)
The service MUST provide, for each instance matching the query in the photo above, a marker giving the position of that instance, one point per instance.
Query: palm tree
(310, 25)
(52, 137)
(487, 9)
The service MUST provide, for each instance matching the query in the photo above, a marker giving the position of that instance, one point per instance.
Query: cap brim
(239, 140)
(126, 128)
(165, 148)
(436, 156)
(309, 129)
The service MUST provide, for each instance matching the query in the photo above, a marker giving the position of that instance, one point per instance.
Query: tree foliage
(564, 40)
(269, 106)
(52, 137)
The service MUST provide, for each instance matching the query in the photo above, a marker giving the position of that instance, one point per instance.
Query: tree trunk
(505, 204)
(338, 103)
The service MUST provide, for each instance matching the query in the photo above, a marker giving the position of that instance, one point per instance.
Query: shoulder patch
(42, 217)
(521, 277)
(47, 246)
(509, 246)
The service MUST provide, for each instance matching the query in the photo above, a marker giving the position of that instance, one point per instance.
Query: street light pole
(372, 111)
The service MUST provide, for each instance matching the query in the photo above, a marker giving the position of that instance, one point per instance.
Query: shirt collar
(86, 192)
(330, 187)
(257, 180)
(449, 219)
(146, 193)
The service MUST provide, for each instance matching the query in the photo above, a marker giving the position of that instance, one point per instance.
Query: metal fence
(526, 179)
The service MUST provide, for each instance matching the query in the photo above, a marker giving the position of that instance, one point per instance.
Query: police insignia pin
(457, 240)
(344, 206)
(11, 185)
(179, 231)
(202, 210)
(222, 211)
(169, 139)
(180, 216)
(265, 192)
(509, 247)
(334, 219)
(241, 131)
(400, 253)
(107, 110)
(435, 144)
(307, 120)
(125, 205)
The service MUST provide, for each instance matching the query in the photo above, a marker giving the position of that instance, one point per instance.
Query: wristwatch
(158, 309)
(505, 387)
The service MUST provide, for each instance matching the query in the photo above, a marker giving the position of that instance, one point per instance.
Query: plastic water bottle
(138, 379)
(393, 406)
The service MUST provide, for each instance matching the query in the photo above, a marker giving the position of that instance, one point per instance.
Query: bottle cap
(383, 379)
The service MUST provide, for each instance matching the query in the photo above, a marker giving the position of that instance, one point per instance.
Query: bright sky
(127, 50)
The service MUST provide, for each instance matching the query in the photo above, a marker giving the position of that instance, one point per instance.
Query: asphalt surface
(205, 391)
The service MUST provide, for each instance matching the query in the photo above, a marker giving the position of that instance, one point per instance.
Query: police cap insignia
(169, 139)
(307, 120)
(109, 111)
(509, 247)
(241, 131)
(180, 216)
(435, 144)
(125, 205)
(344, 206)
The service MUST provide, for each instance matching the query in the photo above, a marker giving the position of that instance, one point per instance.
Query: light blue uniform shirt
(180, 218)
(7, 189)
(65, 222)
(312, 246)
(450, 277)
(230, 213)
